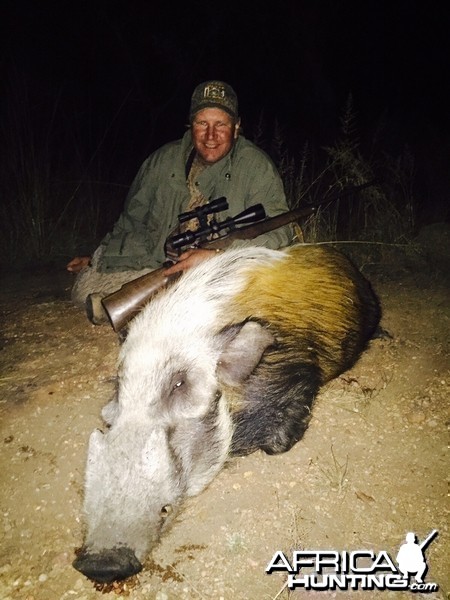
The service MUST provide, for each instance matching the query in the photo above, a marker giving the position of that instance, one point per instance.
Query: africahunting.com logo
(358, 569)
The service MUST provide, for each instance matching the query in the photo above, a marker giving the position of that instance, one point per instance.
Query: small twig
(356, 242)
(280, 591)
(184, 578)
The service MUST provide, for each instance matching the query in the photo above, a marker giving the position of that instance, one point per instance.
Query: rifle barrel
(428, 539)
(251, 231)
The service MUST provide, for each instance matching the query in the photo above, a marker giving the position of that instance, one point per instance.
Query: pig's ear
(242, 347)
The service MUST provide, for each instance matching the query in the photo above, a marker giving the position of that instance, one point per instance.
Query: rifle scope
(253, 214)
(216, 205)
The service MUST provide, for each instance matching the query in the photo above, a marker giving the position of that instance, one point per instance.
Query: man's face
(213, 134)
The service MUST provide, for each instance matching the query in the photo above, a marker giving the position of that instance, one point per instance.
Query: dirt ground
(372, 466)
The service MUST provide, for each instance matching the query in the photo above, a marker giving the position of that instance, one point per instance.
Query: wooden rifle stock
(124, 304)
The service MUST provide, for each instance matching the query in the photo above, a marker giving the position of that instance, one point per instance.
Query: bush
(382, 212)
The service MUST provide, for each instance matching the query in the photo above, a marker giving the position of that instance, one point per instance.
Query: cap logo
(214, 92)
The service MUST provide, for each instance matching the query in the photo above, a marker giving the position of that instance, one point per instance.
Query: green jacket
(159, 193)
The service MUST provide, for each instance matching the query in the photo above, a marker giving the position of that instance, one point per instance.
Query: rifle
(428, 539)
(121, 306)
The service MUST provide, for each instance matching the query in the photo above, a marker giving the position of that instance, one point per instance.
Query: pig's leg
(276, 412)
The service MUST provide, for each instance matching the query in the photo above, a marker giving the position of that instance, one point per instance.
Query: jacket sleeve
(260, 182)
(130, 243)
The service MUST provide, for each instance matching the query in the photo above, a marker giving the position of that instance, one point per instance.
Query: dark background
(106, 82)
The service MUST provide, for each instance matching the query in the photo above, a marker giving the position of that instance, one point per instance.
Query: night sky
(118, 75)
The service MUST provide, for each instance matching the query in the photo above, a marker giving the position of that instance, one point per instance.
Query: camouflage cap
(214, 94)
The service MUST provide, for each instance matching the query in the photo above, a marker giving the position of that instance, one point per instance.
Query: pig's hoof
(108, 565)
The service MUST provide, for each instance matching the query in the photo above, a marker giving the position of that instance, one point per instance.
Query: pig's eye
(165, 511)
(178, 384)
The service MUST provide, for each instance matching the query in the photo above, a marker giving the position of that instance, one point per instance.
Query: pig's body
(226, 361)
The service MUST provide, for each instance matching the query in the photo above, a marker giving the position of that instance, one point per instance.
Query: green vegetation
(384, 212)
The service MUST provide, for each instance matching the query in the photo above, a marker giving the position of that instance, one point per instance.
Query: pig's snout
(108, 565)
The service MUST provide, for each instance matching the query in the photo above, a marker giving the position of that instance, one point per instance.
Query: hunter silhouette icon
(411, 557)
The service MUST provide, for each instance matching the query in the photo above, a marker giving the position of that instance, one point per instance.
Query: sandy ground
(372, 466)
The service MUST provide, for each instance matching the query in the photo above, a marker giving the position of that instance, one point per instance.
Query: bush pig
(226, 361)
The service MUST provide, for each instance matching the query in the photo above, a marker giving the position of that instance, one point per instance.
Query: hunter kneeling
(212, 160)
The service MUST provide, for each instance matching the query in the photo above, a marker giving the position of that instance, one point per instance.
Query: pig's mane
(201, 297)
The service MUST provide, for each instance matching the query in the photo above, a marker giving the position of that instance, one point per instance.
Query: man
(210, 161)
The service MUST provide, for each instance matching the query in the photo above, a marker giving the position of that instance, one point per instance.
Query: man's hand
(78, 263)
(189, 259)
